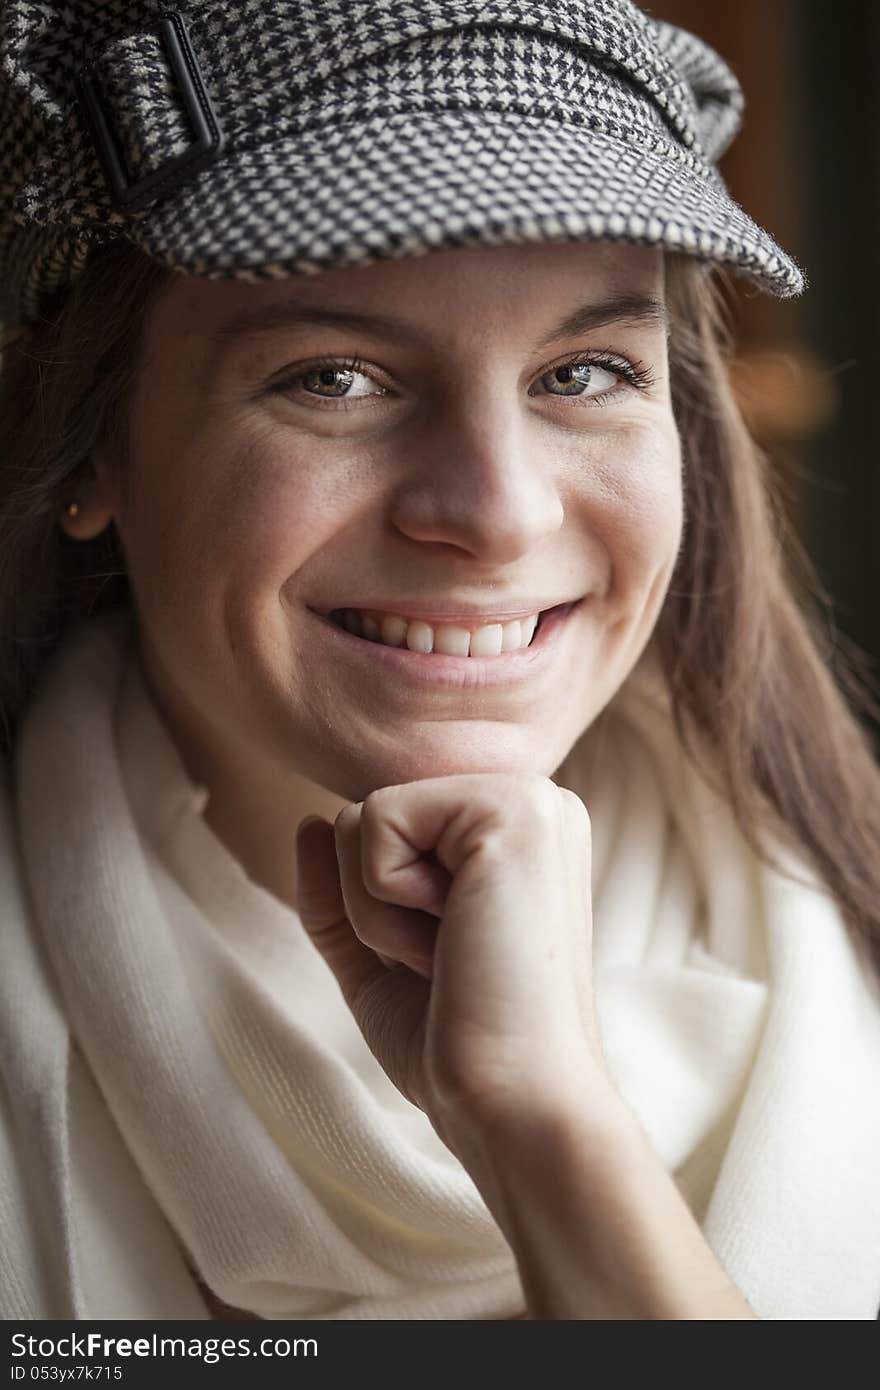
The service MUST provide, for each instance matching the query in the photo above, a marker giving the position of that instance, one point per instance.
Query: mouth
(467, 639)
(407, 664)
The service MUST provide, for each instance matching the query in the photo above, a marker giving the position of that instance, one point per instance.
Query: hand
(475, 889)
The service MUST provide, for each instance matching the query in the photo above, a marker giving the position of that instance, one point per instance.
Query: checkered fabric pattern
(348, 133)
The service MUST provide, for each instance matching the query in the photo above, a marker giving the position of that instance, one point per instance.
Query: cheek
(636, 501)
(235, 511)
(292, 499)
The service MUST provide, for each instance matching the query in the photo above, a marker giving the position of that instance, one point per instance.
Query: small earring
(73, 509)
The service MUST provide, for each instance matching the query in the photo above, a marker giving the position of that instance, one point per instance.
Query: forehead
(509, 286)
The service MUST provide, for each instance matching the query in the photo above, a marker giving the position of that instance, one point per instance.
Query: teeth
(419, 637)
(451, 641)
(447, 639)
(486, 641)
(528, 628)
(511, 636)
(393, 630)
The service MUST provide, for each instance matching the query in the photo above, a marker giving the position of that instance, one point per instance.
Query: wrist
(596, 1223)
(553, 1180)
(490, 1136)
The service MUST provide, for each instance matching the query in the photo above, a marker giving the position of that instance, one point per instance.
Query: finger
(388, 1006)
(321, 908)
(399, 865)
(400, 934)
(420, 834)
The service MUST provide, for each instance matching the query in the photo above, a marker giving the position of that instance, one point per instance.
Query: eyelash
(639, 376)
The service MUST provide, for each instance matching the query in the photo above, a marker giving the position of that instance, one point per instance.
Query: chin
(446, 754)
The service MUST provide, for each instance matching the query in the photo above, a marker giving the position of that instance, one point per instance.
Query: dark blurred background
(806, 165)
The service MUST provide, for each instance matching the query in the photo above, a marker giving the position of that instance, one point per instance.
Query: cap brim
(406, 183)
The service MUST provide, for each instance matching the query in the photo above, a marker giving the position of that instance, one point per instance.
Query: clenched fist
(455, 913)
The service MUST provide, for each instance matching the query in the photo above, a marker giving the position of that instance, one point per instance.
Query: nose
(483, 481)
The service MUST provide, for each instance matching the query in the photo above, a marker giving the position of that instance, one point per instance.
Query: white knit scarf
(195, 1085)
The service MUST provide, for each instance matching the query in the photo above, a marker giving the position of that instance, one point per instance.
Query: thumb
(388, 1005)
(321, 908)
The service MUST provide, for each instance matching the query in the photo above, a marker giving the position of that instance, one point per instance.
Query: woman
(441, 867)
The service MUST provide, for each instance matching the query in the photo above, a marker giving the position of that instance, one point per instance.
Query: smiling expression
(467, 433)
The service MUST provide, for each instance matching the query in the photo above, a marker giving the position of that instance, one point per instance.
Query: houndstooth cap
(264, 138)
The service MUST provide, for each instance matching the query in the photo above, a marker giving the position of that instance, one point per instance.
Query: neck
(260, 830)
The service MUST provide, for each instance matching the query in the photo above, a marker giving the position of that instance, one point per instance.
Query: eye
(595, 380)
(577, 378)
(592, 380)
(335, 380)
(330, 380)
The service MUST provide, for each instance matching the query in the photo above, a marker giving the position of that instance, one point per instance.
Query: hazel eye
(329, 381)
(574, 379)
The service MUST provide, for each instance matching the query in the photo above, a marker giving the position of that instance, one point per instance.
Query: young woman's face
(459, 468)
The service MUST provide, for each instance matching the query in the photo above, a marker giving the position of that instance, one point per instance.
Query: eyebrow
(629, 308)
(269, 318)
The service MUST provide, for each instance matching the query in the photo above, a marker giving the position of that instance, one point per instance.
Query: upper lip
(447, 611)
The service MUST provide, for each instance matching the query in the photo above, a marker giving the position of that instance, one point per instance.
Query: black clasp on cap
(134, 193)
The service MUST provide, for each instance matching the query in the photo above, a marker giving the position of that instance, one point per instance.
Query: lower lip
(458, 672)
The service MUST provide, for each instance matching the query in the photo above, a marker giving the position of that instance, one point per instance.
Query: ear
(96, 496)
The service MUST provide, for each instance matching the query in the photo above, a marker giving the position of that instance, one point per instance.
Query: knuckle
(541, 793)
(376, 803)
(381, 829)
(372, 876)
(371, 825)
(536, 803)
(347, 820)
(576, 809)
(514, 793)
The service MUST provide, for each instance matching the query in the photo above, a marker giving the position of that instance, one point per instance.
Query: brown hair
(65, 390)
(764, 699)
